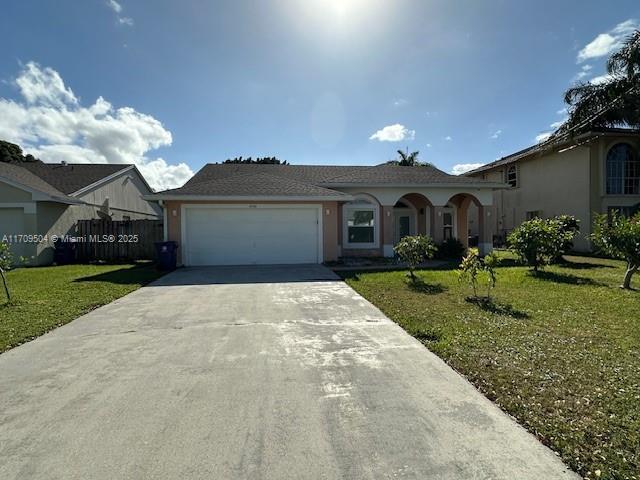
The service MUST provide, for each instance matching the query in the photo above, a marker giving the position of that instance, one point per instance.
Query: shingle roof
(17, 174)
(310, 180)
(260, 184)
(71, 177)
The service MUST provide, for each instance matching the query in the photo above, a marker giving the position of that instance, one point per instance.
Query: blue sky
(310, 81)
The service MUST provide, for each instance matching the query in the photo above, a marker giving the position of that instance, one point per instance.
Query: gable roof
(72, 177)
(306, 181)
(17, 175)
(544, 147)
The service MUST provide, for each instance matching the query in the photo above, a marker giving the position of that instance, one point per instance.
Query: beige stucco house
(230, 214)
(595, 172)
(44, 199)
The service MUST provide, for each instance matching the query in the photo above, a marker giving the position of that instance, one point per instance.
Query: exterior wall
(122, 196)
(17, 216)
(554, 184)
(570, 182)
(330, 226)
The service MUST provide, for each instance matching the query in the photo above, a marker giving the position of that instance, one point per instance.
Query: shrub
(538, 242)
(451, 248)
(619, 237)
(569, 227)
(472, 266)
(5, 264)
(414, 250)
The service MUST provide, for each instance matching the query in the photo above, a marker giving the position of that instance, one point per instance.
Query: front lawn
(48, 297)
(559, 351)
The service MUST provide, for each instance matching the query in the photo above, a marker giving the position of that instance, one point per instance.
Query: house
(595, 172)
(44, 199)
(281, 214)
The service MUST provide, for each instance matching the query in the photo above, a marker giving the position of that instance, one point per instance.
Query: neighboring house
(596, 172)
(46, 199)
(272, 214)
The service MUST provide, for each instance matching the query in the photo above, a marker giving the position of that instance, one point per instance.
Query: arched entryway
(469, 222)
(412, 215)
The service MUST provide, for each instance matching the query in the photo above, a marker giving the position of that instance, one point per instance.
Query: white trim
(27, 207)
(248, 198)
(185, 206)
(165, 222)
(387, 250)
(104, 180)
(346, 208)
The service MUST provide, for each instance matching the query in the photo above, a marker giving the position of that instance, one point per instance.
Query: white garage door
(12, 223)
(251, 235)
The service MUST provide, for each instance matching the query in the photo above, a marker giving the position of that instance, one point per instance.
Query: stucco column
(485, 236)
(462, 224)
(387, 230)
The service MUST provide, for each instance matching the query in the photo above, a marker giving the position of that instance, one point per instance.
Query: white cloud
(400, 102)
(115, 6)
(496, 134)
(428, 145)
(448, 138)
(562, 111)
(607, 42)
(461, 168)
(558, 124)
(584, 72)
(600, 79)
(52, 125)
(393, 133)
(542, 137)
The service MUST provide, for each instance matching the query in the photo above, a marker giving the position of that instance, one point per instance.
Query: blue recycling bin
(167, 255)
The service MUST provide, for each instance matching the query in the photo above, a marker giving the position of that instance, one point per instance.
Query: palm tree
(615, 101)
(406, 159)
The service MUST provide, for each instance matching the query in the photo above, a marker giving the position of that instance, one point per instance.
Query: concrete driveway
(249, 373)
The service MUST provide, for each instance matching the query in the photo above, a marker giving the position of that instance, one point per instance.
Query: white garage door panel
(245, 235)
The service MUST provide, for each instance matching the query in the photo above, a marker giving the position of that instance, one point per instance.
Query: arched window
(512, 176)
(360, 223)
(623, 170)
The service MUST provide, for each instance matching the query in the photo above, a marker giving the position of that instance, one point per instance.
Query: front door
(403, 226)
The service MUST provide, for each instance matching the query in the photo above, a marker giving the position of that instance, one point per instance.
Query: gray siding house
(45, 199)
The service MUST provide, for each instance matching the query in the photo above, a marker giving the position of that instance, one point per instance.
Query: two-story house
(595, 172)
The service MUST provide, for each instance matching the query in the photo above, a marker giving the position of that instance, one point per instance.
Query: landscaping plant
(5, 264)
(451, 248)
(471, 268)
(619, 237)
(413, 250)
(538, 242)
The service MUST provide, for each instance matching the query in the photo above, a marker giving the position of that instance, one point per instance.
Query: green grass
(48, 297)
(559, 351)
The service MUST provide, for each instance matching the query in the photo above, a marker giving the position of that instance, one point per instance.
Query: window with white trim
(512, 176)
(360, 229)
(623, 170)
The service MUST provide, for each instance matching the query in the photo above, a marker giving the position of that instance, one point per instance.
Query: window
(533, 214)
(447, 225)
(624, 211)
(512, 176)
(623, 171)
(360, 224)
(126, 218)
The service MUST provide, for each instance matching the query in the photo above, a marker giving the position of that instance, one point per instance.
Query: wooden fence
(110, 240)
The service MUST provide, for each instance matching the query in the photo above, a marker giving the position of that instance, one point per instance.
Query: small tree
(569, 227)
(538, 242)
(619, 237)
(413, 250)
(5, 264)
(472, 266)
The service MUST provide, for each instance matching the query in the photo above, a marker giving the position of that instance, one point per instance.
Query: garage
(251, 234)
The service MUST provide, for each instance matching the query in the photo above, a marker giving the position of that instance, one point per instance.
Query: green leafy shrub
(619, 237)
(569, 227)
(413, 250)
(472, 268)
(451, 248)
(538, 242)
(5, 264)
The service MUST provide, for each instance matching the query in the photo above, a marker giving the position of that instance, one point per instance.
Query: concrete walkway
(249, 373)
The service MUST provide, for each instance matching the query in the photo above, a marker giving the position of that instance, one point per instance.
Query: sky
(171, 86)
